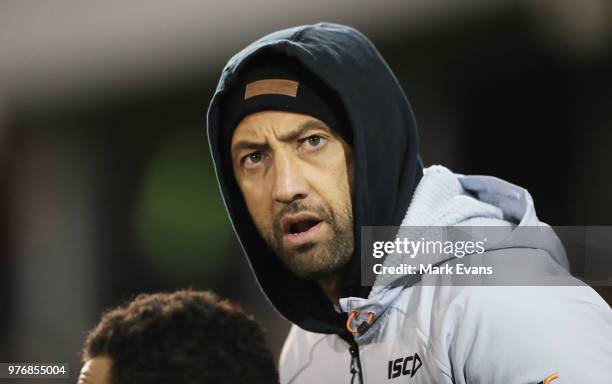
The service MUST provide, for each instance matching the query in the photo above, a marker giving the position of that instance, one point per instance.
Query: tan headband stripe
(271, 87)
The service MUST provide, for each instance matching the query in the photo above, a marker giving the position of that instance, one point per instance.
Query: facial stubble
(316, 259)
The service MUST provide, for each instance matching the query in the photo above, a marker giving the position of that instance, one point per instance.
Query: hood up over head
(383, 136)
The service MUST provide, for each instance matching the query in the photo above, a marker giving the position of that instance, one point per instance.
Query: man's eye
(314, 141)
(252, 159)
(255, 157)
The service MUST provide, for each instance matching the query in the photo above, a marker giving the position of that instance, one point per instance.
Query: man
(185, 337)
(313, 139)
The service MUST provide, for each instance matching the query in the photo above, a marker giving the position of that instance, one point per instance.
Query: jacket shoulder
(489, 331)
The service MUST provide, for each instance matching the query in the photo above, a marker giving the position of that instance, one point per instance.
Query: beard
(315, 260)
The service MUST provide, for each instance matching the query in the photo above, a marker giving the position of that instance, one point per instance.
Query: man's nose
(290, 183)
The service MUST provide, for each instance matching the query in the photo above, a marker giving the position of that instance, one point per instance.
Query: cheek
(342, 193)
(332, 180)
(259, 203)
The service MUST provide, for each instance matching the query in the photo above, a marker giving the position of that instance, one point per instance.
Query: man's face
(296, 177)
(96, 371)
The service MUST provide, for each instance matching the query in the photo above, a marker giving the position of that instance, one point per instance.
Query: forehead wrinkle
(260, 126)
(251, 129)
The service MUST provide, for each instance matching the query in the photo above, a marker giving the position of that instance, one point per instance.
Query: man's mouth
(301, 228)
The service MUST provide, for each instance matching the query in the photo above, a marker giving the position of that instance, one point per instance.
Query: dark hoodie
(385, 150)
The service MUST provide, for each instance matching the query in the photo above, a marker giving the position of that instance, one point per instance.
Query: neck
(330, 284)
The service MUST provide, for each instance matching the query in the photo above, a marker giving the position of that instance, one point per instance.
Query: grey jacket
(431, 332)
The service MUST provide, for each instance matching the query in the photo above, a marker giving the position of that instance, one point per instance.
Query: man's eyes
(310, 143)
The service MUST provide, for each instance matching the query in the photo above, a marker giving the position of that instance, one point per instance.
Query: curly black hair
(185, 337)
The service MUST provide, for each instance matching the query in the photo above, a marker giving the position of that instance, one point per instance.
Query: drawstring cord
(355, 364)
(361, 328)
(353, 370)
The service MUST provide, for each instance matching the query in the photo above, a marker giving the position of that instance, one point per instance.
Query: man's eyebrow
(246, 144)
(297, 132)
(310, 124)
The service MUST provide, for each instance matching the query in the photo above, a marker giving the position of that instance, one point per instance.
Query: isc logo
(404, 366)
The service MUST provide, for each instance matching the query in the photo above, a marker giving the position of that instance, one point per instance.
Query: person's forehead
(257, 123)
(96, 371)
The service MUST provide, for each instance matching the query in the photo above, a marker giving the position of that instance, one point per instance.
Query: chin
(301, 265)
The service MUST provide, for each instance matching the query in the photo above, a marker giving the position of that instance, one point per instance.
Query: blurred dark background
(106, 183)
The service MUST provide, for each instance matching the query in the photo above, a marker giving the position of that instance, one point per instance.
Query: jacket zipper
(355, 362)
